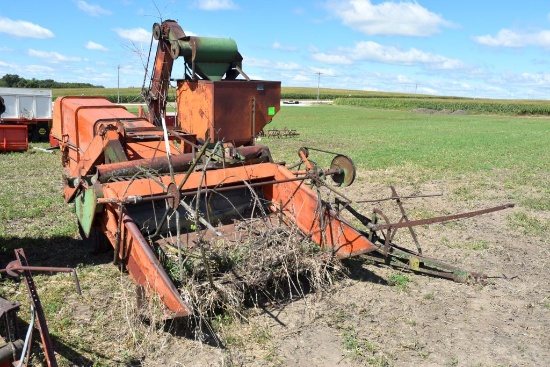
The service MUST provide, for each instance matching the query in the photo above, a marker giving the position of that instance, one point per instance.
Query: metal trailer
(30, 107)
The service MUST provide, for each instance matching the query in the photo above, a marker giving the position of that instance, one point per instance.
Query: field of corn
(386, 100)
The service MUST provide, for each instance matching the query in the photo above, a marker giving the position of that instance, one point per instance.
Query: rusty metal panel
(229, 110)
(13, 138)
(79, 114)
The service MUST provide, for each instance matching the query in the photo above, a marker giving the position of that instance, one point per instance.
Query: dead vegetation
(270, 263)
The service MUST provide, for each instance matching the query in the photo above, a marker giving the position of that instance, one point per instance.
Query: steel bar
(15, 268)
(243, 186)
(405, 218)
(397, 197)
(35, 300)
(135, 199)
(421, 222)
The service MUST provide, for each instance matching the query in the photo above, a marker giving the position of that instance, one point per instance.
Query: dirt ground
(365, 320)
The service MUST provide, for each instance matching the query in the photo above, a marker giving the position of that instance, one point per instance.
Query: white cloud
(21, 28)
(270, 64)
(52, 56)
(211, 5)
(527, 79)
(35, 71)
(324, 71)
(286, 66)
(92, 10)
(278, 46)
(134, 35)
(300, 78)
(335, 59)
(96, 46)
(513, 39)
(372, 51)
(388, 18)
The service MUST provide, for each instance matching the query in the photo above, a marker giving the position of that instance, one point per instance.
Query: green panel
(221, 50)
(212, 57)
(115, 152)
(271, 111)
(85, 205)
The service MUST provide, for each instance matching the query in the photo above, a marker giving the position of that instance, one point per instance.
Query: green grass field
(484, 153)
(437, 146)
(415, 147)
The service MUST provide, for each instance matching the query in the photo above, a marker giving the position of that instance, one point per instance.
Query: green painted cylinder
(212, 56)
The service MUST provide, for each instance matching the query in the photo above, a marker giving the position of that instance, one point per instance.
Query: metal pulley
(346, 174)
(157, 31)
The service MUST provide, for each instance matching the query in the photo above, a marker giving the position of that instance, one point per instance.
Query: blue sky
(482, 49)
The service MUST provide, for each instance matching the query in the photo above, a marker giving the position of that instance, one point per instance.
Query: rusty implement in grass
(14, 350)
(148, 185)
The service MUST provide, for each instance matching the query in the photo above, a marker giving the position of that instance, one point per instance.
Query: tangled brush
(262, 263)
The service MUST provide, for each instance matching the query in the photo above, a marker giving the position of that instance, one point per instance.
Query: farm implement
(14, 349)
(165, 190)
(25, 116)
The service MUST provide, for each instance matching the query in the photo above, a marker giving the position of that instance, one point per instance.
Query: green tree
(11, 80)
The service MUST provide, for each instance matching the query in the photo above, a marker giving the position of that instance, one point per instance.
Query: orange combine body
(125, 173)
(128, 175)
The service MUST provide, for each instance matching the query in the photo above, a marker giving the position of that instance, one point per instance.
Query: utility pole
(118, 84)
(318, 84)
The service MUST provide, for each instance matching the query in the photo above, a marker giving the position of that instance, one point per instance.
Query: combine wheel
(97, 241)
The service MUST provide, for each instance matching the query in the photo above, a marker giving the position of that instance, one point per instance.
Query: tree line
(15, 81)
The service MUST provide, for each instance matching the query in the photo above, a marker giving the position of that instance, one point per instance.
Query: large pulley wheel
(346, 170)
(157, 31)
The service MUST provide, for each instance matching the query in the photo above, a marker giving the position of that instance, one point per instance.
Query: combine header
(150, 186)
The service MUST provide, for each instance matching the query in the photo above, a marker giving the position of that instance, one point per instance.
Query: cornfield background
(386, 100)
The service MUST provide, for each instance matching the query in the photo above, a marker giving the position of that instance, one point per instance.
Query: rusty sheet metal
(229, 110)
(301, 205)
(13, 138)
(146, 270)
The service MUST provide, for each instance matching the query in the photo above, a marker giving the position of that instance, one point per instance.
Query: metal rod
(134, 199)
(397, 198)
(35, 300)
(406, 219)
(242, 186)
(45, 269)
(421, 222)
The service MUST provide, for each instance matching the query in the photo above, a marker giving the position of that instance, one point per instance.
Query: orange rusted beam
(146, 270)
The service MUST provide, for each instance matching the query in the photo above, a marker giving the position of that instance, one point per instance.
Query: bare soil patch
(365, 320)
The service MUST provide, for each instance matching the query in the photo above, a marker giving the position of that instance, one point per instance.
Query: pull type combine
(150, 188)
